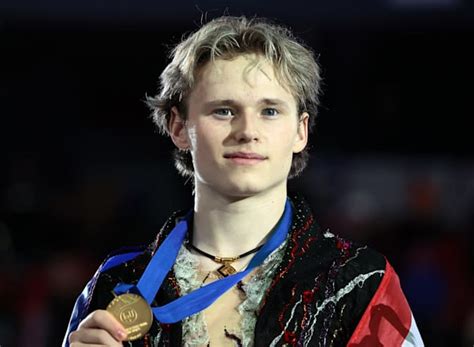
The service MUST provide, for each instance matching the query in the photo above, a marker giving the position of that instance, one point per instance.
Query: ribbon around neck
(199, 299)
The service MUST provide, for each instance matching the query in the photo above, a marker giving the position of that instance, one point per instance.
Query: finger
(102, 319)
(93, 336)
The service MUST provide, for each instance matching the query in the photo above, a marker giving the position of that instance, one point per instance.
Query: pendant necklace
(226, 269)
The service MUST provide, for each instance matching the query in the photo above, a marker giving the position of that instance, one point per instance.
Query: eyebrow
(233, 103)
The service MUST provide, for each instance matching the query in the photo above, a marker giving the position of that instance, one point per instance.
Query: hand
(98, 328)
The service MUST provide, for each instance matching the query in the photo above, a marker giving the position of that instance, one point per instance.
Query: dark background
(83, 170)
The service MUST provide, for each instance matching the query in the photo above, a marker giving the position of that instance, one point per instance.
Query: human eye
(270, 112)
(223, 112)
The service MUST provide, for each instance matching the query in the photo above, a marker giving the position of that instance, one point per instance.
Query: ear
(177, 130)
(302, 133)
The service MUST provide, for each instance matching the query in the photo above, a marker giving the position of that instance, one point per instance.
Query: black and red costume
(326, 291)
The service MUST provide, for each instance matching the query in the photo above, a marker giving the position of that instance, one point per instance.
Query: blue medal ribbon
(198, 300)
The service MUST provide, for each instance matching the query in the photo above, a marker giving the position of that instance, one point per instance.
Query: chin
(242, 188)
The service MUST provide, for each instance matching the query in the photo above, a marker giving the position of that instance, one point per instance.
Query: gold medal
(133, 312)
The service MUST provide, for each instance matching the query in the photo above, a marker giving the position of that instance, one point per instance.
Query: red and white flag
(388, 320)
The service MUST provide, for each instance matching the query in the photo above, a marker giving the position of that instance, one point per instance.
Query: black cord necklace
(226, 269)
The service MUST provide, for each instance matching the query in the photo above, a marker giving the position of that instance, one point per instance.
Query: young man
(248, 265)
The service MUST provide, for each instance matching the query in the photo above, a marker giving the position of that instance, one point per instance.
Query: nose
(245, 128)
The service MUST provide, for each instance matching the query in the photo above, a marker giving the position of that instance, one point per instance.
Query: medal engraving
(133, 312)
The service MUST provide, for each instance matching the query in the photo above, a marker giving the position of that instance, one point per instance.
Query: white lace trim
(194, 327)
(255, 288)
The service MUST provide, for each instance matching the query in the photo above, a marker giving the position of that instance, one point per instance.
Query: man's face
(242, 127)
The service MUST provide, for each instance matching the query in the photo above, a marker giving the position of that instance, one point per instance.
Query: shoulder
(136, 257)
(325, 281)
(334, 278)
(345, 272)
(317, 250)
(123, 265)
(121, 256)
(349, 258)
(92, 298)
(126, 265)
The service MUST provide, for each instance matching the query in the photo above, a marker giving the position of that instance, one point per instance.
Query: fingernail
(122, 334)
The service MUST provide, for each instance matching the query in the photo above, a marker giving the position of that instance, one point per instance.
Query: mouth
(245, 158)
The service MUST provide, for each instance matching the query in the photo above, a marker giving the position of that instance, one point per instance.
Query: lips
(245, 158)
(244, 155)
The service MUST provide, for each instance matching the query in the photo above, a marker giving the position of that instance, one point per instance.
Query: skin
(238, 199)
(238, 105)
(99, 328)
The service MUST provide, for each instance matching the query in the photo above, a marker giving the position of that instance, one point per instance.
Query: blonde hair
(225, 38)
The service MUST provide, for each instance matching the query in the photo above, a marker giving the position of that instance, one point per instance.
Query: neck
(225, 226)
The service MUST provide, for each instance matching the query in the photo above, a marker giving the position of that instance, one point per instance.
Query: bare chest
(223, 319)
